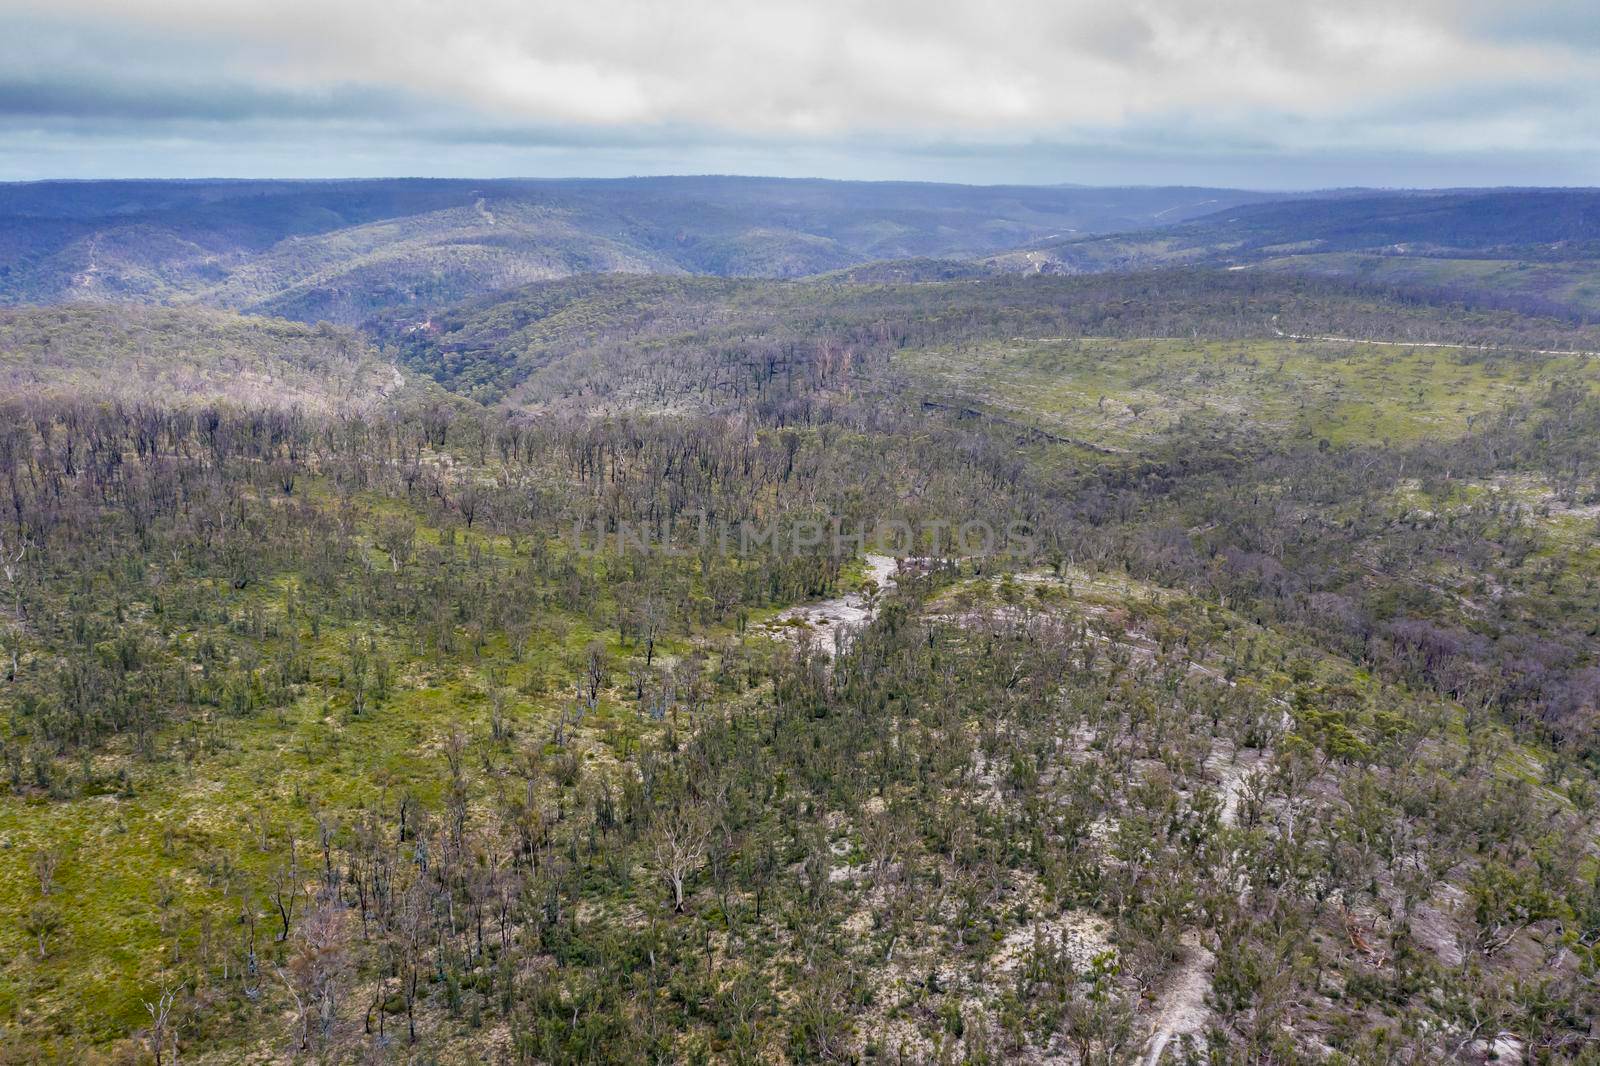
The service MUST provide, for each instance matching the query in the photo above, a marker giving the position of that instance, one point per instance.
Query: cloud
(1443, 77)
(79, 98)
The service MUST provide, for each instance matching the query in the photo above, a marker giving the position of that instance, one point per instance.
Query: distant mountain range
(342, 250)
(1530, 249)
(347, 252)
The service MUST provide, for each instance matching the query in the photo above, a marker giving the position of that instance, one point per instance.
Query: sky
(1271, 94)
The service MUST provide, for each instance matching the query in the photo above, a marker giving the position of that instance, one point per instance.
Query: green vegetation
(669, 344)
(1559, 286)
(138, 353)
(350, 714)
(1121, 393)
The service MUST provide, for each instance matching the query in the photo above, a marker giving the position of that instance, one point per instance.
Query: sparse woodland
(327, 737)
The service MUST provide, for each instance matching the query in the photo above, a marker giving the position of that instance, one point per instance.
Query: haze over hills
(1535, 248)
(342, 250)
(345, 251)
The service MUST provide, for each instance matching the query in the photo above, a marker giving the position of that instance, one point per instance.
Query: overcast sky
(1258, 93)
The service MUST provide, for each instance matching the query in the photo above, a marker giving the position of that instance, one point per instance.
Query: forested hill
(188, 356)
(345, 251)
(523, 676)
(340, 250)
(1529, 249)
(1543, 224)
(615, 342)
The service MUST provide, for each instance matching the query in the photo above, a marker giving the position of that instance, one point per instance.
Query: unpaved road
(1429, 344)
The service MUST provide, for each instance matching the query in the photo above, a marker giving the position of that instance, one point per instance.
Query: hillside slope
(340, 250)
(615, 343)
(1530, 249)
(350, 739)
(190, 355)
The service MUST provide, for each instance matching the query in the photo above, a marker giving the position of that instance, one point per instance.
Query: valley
(432, 632)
